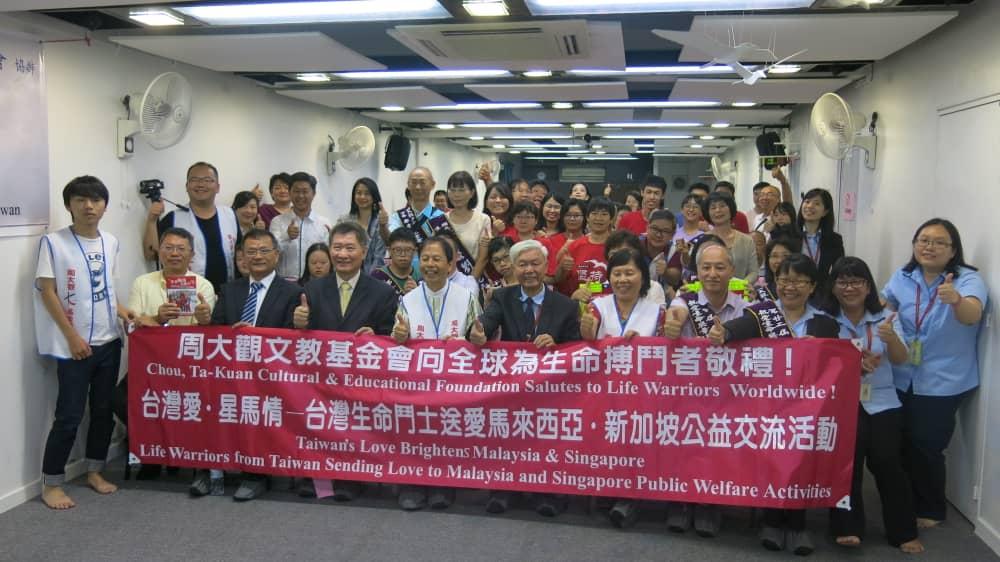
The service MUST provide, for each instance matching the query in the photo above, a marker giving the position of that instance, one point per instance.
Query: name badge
(866, 392)
(916, 352)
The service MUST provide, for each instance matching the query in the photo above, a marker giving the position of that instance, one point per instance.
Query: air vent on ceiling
(498, 42)
(569, 174)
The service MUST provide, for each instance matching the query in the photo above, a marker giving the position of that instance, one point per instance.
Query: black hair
(303, 176)
(242, 198)
(442, 192)
(699, 185)
(372, 191)
(525, 207)
(635, 195)
(716, 197)
(691, 197)
(179, 232)
(631, 256)
(760, 185)
(207, 165)
(585, 188)
(496, 244)
(699, 241)
(825, 223)
(85, 186)
(401, 234)
(655, 181)
(283, 177)
(540, 183)
(601, 204)
(550, 196)
(726, 185)
(504, 192)
(262, 234)
(463, 179)
(317, 247)
(570, 203)
(851, 266)
(437, 239)
(663, 214)
(802, 265)
(791, 243)
(787, 208)
(350, 227)
(956, 261)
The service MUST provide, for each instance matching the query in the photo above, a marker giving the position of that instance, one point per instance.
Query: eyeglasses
(349, 248)
(850, 284)
(524, 217)
(205, 179)
(797, 283)
(692, 206)
(659, 231)
(173, 249)
(401, 251)
(254, 252)
(928, 243)
(573, 216)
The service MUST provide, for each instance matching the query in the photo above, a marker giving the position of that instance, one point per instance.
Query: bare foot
(99, 484)
(912, 547)
(925, 523)
(849, 540)
(55, 498)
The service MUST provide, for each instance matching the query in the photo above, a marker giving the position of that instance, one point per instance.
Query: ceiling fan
(729, 55)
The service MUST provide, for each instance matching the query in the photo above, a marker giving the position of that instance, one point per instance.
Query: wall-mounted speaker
(770, 149)
(397, 152)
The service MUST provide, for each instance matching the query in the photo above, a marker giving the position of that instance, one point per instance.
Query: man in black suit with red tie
(261, 299)
(349, 300)
(529, 312)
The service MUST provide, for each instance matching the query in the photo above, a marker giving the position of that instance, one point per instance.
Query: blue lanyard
(104, 271)
(430, 309)
(623, 324)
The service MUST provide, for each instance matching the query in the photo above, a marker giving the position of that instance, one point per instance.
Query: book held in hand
(183, 291)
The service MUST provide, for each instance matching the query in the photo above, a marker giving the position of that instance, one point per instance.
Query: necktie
(249, 313)
(529, 319)
(345, 296)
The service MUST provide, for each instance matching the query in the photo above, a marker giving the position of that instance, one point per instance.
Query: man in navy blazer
(264, 300)
(529, 312)
(347, 300)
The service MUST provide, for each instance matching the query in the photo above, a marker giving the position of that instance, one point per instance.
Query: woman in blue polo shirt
(940, 301)
(857, 309)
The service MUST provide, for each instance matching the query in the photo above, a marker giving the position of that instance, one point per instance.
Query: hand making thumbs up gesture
(717, 335)
(885, 330)
(300, 318)
(477, 335)
(947, 292)
(673, 322)
(401, 330)
(202, 312)
(588, 324)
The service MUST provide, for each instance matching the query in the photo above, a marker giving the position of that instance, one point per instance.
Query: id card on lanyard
(866, 388)
(916, 346)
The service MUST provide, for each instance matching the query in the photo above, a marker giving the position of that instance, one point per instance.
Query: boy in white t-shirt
(76, 312)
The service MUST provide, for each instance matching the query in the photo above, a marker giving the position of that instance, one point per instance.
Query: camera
(152, 189)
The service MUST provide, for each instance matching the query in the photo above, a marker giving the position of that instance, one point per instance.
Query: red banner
(762, 423)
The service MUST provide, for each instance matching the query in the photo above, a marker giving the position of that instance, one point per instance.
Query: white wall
(914, 182)
(248, 132)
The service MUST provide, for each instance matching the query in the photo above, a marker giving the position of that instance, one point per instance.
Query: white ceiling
(19, 5)
(407, 96)
(571, 91)
(770, 90)
(254, 52)
(426, 116)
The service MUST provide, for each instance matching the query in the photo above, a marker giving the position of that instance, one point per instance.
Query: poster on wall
(24, 164)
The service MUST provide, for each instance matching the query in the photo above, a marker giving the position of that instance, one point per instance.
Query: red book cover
(183, 291)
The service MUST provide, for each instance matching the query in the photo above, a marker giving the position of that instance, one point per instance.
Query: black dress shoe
(201, 484)
(440, 498)
(550, 505)
(498, 502)
(346, 490)
(625, 513)
(306, 489)
(250, 489)
(412, 498)
(149, 472)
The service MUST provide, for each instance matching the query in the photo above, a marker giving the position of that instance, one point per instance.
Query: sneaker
(800, 542)
(624, 514)
(772, 538)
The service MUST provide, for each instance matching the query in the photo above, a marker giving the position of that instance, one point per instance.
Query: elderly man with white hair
(529, 312)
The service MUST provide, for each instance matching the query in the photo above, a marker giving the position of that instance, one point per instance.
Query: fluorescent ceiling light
(720, 125)
(156, 17)
(597, 146)
(642, 104)
(562, 105)
(578, 125)
(551, 157)
(609, 157)
(600, 152)
(537, 74)
(485, 105)
(530, 136)
(313, 77)
(707, 137)
(485, 8)
(646, 124)
(674, 69)
(392, 108)
(444, 126)
(646, 136)
(475, 138)
(567, 7)
(420, 74)
(697, 146)
(744, 103)
(546, 145)
(316, 12)
(564, 151)
(683, 154)
(511, 125)
(499, 146)
(515, 152)
(784, 69)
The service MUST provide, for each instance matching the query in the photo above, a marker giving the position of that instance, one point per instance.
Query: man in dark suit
(261, 299)
(529, 312)
(349, 300)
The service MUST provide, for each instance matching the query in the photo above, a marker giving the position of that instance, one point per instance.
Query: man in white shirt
(301, 228)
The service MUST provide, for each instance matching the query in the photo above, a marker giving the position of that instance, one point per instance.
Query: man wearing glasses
(214, 227)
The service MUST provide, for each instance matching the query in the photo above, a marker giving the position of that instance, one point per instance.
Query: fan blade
(791, 56)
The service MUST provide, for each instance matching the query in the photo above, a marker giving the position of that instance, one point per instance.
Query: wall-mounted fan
(722, 170)
(352, 150)
(161, 114)
(836, 128)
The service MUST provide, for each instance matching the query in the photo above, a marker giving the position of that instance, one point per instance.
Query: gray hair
(523, 245)
(349, 226)
(713, 244)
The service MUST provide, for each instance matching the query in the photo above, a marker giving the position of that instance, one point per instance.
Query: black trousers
(879, 443)
(928, 424)
(788, 519)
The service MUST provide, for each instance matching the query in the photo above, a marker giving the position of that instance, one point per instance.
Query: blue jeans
(95, 378)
